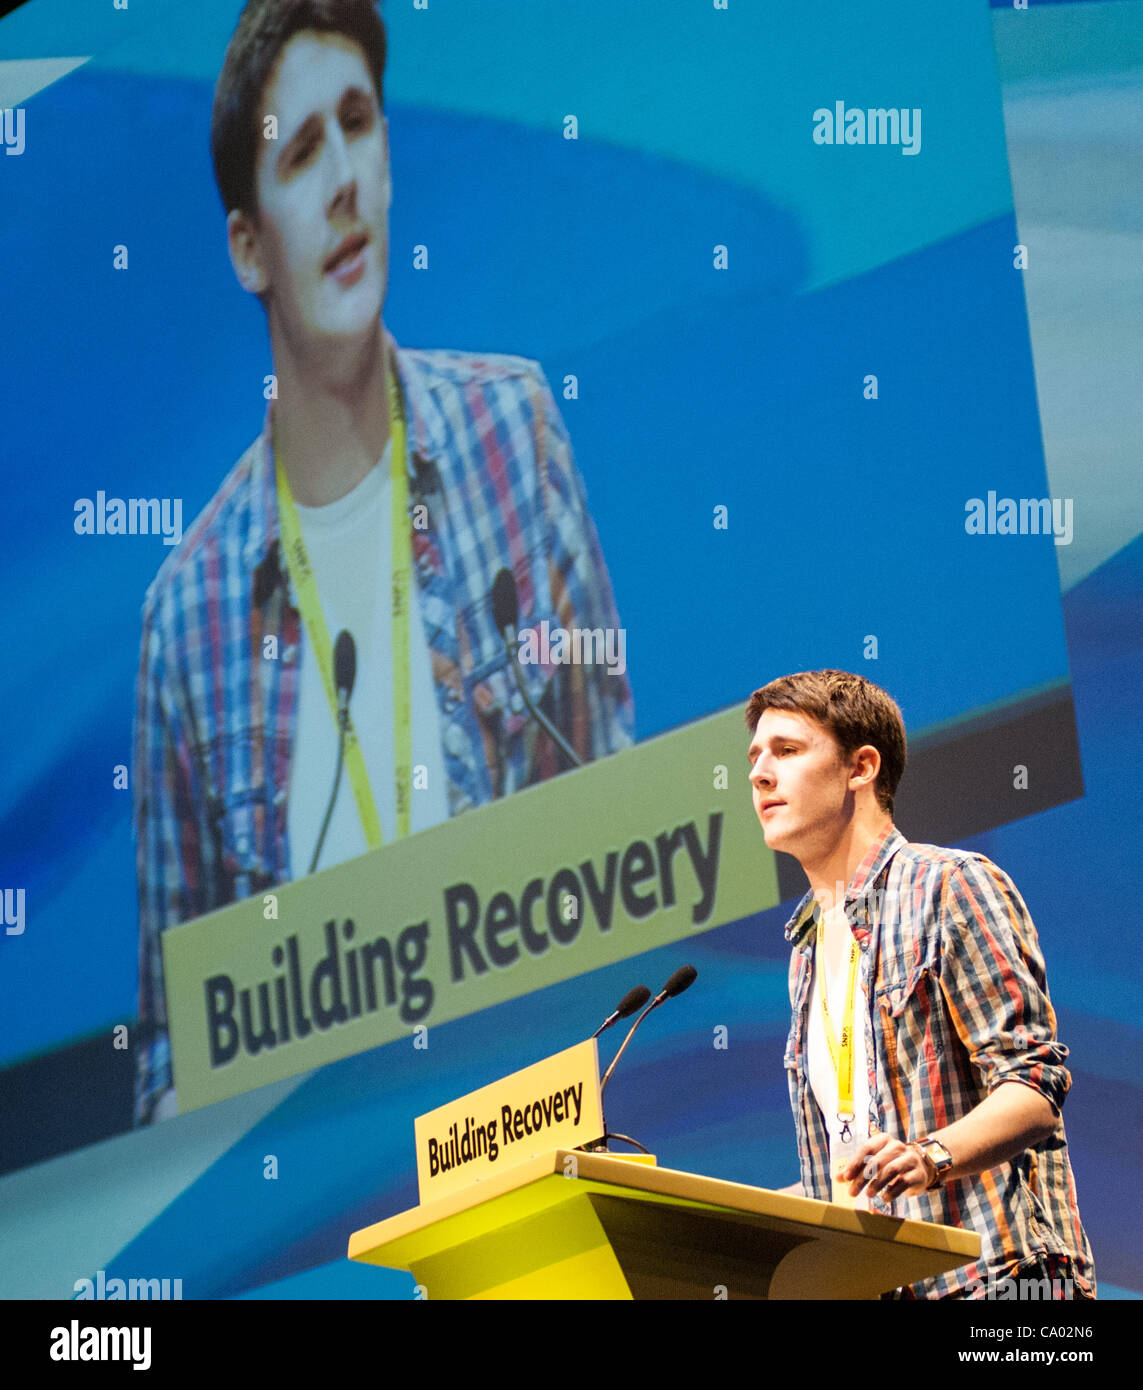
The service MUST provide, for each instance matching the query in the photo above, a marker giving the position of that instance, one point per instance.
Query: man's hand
(1014, 1117)
(886, 1167)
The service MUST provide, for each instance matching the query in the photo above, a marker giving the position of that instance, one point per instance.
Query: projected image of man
(386, 492)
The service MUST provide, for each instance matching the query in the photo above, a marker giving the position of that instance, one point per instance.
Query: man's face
(321, 240)
(800, 784)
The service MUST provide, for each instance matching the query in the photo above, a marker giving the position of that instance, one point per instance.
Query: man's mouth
(771, 805)
(348, 260)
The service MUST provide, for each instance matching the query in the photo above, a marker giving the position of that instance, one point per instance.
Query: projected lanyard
(840, 1053)
(305, 585)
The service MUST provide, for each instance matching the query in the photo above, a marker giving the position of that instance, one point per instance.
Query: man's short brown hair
(264, 29)
(852, 709)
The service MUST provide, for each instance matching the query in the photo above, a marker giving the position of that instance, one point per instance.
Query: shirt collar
(802, 926)
(426, 435)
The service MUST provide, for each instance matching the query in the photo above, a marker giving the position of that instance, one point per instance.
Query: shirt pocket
(912, 1014)
(909, 968)
(895, 996)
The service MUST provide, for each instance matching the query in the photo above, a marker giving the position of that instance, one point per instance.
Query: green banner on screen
(640, 849)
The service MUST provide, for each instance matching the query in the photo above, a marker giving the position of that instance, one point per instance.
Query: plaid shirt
(958, 1005)
(217, 713)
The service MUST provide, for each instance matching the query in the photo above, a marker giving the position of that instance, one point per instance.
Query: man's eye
(357, 119)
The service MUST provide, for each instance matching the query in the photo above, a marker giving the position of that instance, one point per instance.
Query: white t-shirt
(350, 549)
(823, 1077)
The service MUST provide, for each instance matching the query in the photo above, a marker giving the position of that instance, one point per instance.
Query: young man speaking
(385, 494)
(925, 1075)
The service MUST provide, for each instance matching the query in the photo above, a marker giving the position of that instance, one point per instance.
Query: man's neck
(830, 874)
(330, 427)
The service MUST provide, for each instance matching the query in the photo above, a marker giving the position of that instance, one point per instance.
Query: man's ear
(864, 766)
(245, 252)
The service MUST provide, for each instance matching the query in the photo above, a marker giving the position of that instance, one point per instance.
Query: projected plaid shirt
(216, 712)
(959, 1004)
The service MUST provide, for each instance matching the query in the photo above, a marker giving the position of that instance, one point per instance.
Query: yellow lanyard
(305, 586)
(840, 1053)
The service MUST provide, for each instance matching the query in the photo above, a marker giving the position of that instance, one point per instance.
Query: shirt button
(516, 702)
(279, 796)
(243, 844)
(455, 740)
(289, 653)
(450, 699)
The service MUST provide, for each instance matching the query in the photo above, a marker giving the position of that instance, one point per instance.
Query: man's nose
(761, 774)
(341, 166)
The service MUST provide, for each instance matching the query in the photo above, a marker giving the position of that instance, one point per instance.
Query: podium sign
(552, 1104)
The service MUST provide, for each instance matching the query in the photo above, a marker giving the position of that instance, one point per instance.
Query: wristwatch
(936, 1153)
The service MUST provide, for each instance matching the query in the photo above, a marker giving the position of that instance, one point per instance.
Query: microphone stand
(599, 1145)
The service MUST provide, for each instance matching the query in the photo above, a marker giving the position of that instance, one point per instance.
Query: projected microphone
(683, 978)
(344, 674)
(632, 1000)
(506, 614)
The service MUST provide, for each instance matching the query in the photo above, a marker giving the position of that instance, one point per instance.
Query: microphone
(632, 1000)
(426, 489)
(344, 672)
(505, 604)
(682, 979)
(506, 616)
(344, 675)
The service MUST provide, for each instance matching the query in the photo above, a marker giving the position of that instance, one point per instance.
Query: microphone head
(344, 663)
(505, 600)
(683, 978)
(632, 1000)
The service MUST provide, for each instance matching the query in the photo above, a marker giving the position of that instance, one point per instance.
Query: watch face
(938, 1153)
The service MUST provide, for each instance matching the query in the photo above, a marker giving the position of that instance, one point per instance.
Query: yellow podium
(570, 1225)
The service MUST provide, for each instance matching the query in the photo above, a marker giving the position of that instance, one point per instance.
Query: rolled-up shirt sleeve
(995, 984)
